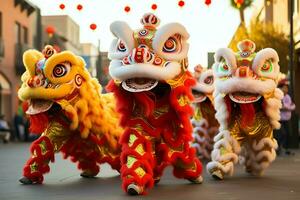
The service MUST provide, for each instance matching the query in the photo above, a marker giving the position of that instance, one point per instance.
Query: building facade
(66, 32)
(102, 68)
(18, 25)
(90, 55)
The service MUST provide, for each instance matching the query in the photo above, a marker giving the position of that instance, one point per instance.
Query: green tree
(267, 35)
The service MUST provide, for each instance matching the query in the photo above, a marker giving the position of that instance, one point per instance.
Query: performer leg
(187, 165)
(85, 152)
(137, 162)
(260, 154)
(42, 152)
(224, 155)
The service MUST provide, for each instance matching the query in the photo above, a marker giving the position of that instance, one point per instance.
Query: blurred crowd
(19, 130)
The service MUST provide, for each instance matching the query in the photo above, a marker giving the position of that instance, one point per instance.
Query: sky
(210, 27)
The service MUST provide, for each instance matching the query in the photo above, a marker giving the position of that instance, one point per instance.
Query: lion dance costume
(67, 108)
(204, 121)
(247, 104)
(153, 91)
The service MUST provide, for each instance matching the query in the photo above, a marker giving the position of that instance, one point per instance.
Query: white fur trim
(261, 58)
(223, 139)
(257, 146)
(198, 138)
(120, 72)
(199, 123)
(226, 169)
(221, 111)
(256, 152)
(273, 106)
(236, 84)
(163, 34)
(122, 31)
(229, 57)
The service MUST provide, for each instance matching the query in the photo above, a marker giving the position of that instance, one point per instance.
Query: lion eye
(61, 69)
(224, 67)
(121, 47)
(170, 45)
(209, 80)
(267, 67)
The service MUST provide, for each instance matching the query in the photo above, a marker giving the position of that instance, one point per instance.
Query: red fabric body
(83, 151)
(169, 131)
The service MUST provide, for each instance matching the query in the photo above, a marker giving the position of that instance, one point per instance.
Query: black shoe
(217, 175)
(197, 180)
(289, 153)
(134, 190)
(25, 181)
(87, 175)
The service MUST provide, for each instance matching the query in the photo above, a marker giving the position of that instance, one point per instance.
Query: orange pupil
(121, 46)
(225, 67)
(266, 67)
(169, 44)
(208, 80)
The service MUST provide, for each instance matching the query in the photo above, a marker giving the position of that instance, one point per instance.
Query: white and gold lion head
(204, 87)
(247, 77)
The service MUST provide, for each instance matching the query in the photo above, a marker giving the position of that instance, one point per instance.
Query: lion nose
(35, 81)
(139, 55)
(243, 71)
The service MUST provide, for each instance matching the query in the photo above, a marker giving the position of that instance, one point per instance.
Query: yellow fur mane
(89, 111)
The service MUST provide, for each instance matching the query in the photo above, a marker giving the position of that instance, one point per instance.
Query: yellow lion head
(52, 76)
(61, 79)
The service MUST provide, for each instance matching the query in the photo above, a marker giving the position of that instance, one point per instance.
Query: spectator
(21, 122)
(285, 115)
(4, 130)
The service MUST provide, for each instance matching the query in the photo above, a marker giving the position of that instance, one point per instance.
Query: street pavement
(281, 181)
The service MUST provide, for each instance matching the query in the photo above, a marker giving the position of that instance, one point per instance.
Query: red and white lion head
(142, 58)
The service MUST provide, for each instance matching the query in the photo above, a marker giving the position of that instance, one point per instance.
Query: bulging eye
(61, 69)
(170, 45)
(209, 80)
(267, 66)
(121, 46)
(224, 67)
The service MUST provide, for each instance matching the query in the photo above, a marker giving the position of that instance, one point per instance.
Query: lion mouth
(198, 96)
(139, 84)
(244, 97)
(37, 106)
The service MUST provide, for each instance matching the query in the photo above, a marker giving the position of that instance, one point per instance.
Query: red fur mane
(248, 114)
(38, 123)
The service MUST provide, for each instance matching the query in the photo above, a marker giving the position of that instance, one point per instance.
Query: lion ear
(80, 62)
(30, 58)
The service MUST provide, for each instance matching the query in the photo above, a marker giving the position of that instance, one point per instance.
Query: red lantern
(93, 26)
(181, 3)
(127, 9)
(154, 6)
(207, 2)
(62, 6)
(79, 7)
(239, 3)
(50, 30)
